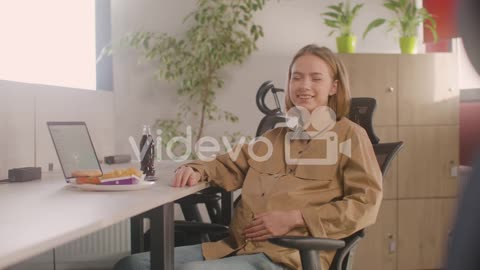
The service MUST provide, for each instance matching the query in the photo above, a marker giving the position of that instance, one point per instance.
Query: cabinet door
(427, 161)
(428, 92)
(375, 75)
(377, 251)
(423, 229)
(389, 134)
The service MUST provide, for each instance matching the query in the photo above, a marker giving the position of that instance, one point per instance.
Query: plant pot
(408, 45)
(346, 44)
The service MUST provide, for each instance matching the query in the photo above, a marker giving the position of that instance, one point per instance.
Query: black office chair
(361, 112)
(310, 247)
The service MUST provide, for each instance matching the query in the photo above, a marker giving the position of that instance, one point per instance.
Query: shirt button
(263, 194)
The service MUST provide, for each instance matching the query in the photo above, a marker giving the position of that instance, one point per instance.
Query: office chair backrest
(269, 122)
(272, 116)
(262, 94)
(361, 112)
(384, 152)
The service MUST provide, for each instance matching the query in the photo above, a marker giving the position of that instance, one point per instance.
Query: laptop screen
(74, 147)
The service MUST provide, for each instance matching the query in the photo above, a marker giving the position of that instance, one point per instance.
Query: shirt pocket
(316, 172)
(317, 176)
(266, 167)
(261, 178)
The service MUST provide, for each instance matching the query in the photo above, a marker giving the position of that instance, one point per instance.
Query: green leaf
(356, 9)
(331, 23)
(338, 8)
(391, 6)
(372, 25)
(434, 32)
(330, 14)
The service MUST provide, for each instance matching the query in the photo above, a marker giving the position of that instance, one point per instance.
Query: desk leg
(162, 237)
(136, 234)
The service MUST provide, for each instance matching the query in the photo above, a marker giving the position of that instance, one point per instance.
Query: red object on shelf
(444, 13)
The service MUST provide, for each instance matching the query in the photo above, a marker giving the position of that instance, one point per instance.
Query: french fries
(93, 176)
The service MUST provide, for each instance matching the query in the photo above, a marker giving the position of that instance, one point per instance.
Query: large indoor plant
(340, 18)
(221, 33)
(408, 17)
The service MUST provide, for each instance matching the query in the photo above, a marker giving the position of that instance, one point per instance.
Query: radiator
(104, 244)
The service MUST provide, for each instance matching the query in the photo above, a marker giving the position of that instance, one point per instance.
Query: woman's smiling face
(311, 82)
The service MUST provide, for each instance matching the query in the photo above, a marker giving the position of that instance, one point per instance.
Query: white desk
(39, 215)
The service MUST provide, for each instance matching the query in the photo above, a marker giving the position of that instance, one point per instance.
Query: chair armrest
(307, 242)
(199, 227)
(198, 198)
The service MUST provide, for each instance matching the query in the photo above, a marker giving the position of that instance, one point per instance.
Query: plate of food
(117, 180)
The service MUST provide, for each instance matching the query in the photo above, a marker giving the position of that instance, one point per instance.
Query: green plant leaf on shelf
(338, 9)
(332, 23)
(434, 32)
(330, 14)
(372, 25)
(356, 9)
(393, 6)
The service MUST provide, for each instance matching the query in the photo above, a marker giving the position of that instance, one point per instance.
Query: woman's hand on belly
(274, 223)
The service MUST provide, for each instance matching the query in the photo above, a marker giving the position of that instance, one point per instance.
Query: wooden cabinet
(377, 251)
(428, 92)
(427, 161)
(375, 75)
(423, 230)
(390, 183)
(417, 103)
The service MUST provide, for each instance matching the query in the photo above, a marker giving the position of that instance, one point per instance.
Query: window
(55, 42)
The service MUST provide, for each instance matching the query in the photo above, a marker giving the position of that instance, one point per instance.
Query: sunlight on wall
(48, 42)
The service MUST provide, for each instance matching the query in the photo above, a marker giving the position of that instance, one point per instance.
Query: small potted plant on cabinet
(408, 18)
(340, 18)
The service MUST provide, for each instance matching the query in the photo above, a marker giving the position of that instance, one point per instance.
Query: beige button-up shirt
(337, 196)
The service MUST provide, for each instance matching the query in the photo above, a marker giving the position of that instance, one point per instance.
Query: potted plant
(340, 18)
(408, 18)
(220, 33)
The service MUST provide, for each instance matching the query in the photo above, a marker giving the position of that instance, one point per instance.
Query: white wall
(288, 25)
(25, 109)
(468, 77)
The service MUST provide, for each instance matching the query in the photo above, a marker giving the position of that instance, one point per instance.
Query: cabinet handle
(392, 244)
(390, 89)
(453, 169)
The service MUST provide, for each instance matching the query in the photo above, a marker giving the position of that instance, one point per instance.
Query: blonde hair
(339, 102)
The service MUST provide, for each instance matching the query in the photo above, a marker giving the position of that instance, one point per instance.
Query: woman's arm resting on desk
(185, 176)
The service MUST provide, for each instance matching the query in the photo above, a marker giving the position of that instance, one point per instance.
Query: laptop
(74, 147)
